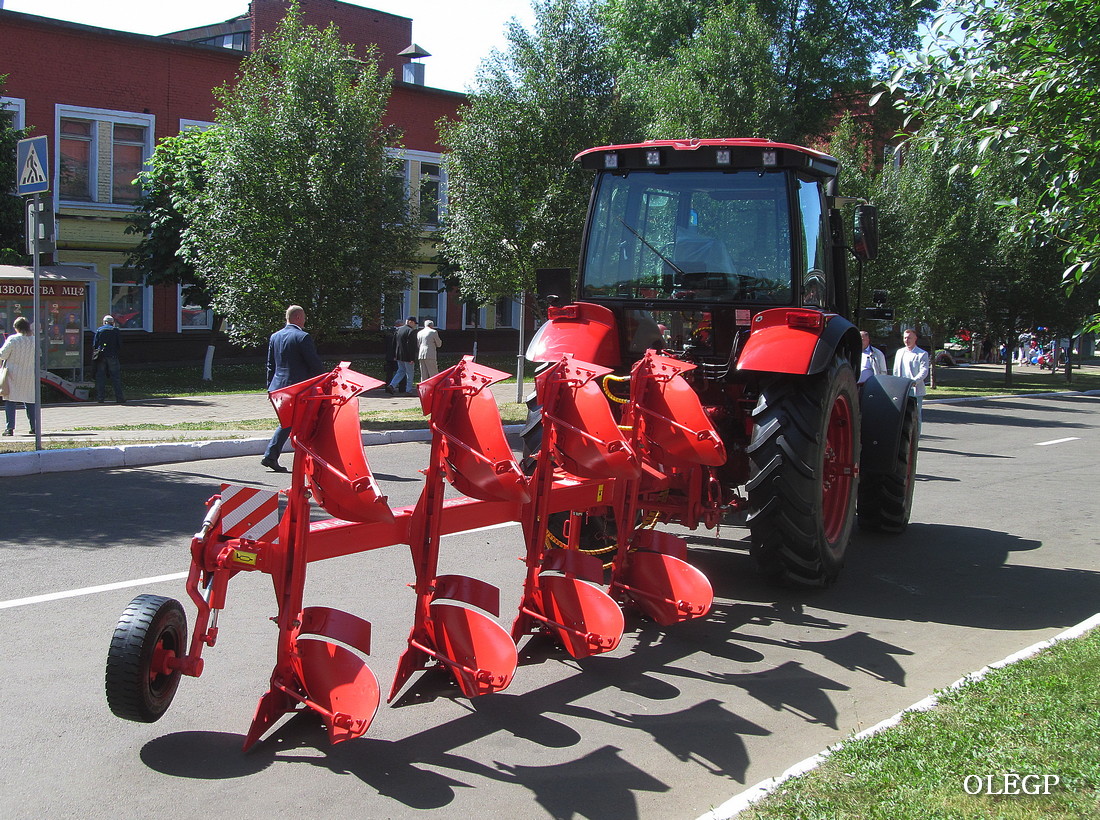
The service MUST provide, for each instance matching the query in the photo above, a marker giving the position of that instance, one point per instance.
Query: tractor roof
(698, 154)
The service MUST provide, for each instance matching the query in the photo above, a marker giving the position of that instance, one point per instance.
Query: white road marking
(1057, 441)
(74, 593)
(157, 579)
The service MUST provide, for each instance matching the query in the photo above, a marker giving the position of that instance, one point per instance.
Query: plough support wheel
(140, 682)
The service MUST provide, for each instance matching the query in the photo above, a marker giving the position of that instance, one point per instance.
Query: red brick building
(104, 98)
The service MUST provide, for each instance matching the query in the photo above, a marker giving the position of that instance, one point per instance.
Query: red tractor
(706, 369)
(729, 254)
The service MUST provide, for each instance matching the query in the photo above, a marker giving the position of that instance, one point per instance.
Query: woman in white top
(17, 355)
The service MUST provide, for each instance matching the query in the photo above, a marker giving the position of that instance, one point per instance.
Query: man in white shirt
(874, 360)
(912, 363)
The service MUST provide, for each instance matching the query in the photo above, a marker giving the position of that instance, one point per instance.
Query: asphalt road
(1001, 553)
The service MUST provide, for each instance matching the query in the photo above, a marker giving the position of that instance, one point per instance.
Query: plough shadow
(900, 577)
(600, 783)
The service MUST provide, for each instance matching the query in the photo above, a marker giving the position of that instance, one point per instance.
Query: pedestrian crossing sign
(32, 166)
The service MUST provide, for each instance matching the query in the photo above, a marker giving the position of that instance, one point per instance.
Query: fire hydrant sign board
(32, 166)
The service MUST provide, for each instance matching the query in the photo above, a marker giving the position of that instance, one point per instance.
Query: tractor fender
(882, 401)
(585, 331)
(798, 341)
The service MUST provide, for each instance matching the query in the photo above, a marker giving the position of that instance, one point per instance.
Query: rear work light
(806, 319)
(566, 312)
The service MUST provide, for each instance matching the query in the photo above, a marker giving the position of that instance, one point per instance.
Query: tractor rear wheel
(152, 631)
(802, 475)
(886, 499)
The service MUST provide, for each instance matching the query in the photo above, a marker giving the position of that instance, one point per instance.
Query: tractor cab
(687, 240)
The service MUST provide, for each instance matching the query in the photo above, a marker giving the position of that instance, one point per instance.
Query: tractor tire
(139, 687)
(886, 499)
(802, 475)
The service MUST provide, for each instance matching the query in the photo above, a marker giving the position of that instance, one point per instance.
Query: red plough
(590, 465)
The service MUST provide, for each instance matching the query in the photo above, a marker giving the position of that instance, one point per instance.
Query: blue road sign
(32, 167)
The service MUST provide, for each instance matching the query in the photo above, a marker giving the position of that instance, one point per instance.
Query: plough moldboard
(654, 462)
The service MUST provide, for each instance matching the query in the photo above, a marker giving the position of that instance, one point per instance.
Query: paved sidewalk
(91, 424)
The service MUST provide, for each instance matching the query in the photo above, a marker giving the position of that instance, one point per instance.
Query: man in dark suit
(291, 358)
(405, 351)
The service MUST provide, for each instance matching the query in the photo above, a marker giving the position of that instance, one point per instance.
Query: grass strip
(968, 756)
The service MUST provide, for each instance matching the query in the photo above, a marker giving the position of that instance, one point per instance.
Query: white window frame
(201, 125)
(466, 325)
(19, 106)
(441, 301)
(406, 300)
(514, 321)
(408, 157)
(96, 116)
(146, 302)
(180, 326)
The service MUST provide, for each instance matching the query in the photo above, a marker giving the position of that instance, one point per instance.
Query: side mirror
(865, 232)
(553, 284)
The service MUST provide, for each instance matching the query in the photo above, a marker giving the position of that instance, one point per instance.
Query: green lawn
(961, 759)
(989, 380)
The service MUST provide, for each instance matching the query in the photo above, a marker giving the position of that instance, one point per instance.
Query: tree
(516, 199)
(174, 178)
(11, 206)
(1019, 76)
(776, 68)
(721, 82)
(949, 259)
(933, 242)
(302, 203)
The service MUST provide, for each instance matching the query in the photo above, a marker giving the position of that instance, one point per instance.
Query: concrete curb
(738, 803)
(144, 455)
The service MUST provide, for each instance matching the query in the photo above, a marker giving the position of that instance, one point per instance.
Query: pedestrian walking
(106, 345)
(428, 342)
(406, 352)
(291, 358)
(912, 363)
(17, 359)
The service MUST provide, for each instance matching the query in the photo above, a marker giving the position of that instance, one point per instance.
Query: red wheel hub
(838, 470)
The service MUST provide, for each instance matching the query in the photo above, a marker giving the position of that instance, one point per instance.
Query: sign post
(32, 173)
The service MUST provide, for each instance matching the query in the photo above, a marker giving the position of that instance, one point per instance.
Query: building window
(11, 109)
(506, 312)
(75, 174)
(430, 298)
(129, 300)
(393, 309)
(195, 125)
(193, 317)
(430, 187)
(100, 154)
(128, 159)
(473, 316)
(424, 184)
(237, 40)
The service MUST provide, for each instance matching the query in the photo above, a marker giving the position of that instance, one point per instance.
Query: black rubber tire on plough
(886, 499)
(134, 690)
(802, 482)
